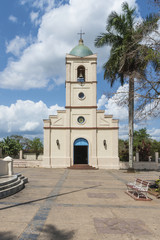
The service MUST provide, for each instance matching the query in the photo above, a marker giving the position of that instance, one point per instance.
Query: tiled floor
(80, 205)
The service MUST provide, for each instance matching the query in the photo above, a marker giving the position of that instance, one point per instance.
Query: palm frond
(106, 39)
(150, 24)
(128, 56)
(116, 23)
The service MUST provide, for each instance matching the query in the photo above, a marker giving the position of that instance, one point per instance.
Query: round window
(81, 119)
(81, 95)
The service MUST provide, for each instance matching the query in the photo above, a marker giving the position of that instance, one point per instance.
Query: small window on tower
(81, 120)
(81, 96)
(81, 74)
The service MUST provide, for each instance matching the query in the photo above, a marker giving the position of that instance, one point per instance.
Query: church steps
(19, 163)
(82, 167)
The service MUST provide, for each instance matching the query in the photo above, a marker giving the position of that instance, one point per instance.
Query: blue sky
(35, 35)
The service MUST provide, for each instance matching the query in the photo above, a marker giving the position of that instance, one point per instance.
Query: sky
(35, 36)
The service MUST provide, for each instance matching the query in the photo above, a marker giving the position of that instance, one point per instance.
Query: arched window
(81, 74)
(81, 142)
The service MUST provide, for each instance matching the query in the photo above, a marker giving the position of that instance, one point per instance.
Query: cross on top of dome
(81, 33)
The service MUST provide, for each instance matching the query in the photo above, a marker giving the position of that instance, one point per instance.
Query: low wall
(28, 160)
(141, 165)
(27, 163)
(32, 156)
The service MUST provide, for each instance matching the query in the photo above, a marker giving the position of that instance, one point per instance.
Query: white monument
(6, 166)
(81, 134)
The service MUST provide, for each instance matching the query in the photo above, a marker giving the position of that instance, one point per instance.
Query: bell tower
(81, 101)
(81, 134)
(81, 80)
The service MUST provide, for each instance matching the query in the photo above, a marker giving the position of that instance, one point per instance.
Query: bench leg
(143, 195)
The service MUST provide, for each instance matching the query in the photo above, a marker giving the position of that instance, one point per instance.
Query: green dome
(81, 50)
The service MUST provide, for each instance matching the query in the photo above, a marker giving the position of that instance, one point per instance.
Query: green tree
(155, 147)
(25, 142)
(140, 136)
(142, 144)
(123, 150)
(10, 147)
(36, 146)
(128, 57)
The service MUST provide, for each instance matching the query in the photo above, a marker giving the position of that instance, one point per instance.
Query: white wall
(141, 165)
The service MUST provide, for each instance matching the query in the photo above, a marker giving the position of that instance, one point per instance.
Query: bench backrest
(145, 183)
(142, 183)
(139, 181)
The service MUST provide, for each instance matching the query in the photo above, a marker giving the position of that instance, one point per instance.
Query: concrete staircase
(19, 163)
(82, 167)
(10, 185)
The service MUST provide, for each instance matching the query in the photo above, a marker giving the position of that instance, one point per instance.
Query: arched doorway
(81, 151)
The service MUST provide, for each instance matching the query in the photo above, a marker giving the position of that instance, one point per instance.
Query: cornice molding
(80, 107)
(83, 128)
(83, 83)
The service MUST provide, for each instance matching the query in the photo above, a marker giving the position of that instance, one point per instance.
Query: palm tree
(128, 56)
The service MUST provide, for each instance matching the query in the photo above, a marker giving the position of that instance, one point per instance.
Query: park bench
(138, 189)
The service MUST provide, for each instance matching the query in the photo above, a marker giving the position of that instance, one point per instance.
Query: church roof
(81, 50)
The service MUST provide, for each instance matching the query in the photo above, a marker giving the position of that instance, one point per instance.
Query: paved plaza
(65, 204)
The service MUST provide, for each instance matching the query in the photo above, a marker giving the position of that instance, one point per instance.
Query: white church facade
(81, 134)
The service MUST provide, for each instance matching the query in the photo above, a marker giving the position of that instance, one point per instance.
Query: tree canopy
(13, 144)
(129, 56)
(143, 144)
(10, 147)
(36, 146)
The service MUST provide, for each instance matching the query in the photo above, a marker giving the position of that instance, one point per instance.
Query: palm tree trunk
(131, 120)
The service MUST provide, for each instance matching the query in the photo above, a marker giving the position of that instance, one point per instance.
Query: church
(81, 134)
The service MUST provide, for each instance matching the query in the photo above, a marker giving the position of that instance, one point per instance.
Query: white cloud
(152, 39)
(35, 18)
(43, 62)
(151, 110)
(155, 133)
(12, 18)
(30, 126)
(123, 131)
(16, 45)
(25, 117)
(116, 107)
(113, 105)
(102, 101)
(47, 4)
(40, 4)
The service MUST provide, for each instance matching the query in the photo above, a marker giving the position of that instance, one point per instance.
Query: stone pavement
(65, 204)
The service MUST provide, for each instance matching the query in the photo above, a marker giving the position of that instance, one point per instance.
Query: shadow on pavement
(7, 236)
(50, 232)
(45, 198)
